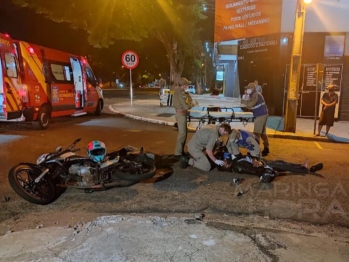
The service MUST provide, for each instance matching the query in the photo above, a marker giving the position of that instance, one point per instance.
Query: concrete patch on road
(117, 238)
(9, 138)
(136, 238)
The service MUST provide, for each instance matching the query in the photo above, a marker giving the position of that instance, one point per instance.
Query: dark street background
(24, 24)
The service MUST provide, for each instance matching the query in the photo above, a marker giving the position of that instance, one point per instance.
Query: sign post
(130, 61)
(319, 82)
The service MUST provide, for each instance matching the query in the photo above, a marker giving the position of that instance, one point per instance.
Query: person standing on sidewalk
(181, 107)
(260, 114)
(328, 101)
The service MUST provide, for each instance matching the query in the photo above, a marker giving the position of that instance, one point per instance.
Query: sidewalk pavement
(149, 110)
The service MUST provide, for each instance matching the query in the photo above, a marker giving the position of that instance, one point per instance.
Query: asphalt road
(318, 199)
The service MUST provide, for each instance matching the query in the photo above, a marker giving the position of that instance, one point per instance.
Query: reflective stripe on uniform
(257, 106)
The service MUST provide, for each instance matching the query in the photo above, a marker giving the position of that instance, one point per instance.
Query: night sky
(24, 24)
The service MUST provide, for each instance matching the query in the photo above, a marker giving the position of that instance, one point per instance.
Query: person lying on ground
(253, 163)
(239, 138)
(283, 166)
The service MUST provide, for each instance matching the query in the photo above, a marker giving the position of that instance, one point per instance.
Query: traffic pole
(319, 76)
(130, 61)
(131, 93)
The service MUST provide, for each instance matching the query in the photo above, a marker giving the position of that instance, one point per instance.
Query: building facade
(264, 53)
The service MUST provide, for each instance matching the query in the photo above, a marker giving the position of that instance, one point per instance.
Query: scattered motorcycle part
(236, 181)
(199, 217)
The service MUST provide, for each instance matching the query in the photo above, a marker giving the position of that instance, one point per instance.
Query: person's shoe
(265, 151)
(184, 162)
(316, 168)
(318, 134)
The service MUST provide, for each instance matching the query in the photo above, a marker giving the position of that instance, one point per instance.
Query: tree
(175, 23)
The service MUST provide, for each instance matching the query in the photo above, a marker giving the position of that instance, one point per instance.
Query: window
(89, 75)
(11, 65)
(67, 73)
(61, 72)
(1, 81)
(57, 71)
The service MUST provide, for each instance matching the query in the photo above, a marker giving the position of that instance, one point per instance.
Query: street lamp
(295, 67)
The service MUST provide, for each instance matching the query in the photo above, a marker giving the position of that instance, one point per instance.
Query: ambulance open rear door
(78, 83)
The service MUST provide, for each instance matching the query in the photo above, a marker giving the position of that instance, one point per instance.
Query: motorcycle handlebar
(69, 148)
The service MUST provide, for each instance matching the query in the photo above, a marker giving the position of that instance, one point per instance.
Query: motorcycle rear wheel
(21, 179)
(128, 173)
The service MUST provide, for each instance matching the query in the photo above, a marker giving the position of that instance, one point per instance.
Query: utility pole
(294, 71)
(205, 72)
(203, 64)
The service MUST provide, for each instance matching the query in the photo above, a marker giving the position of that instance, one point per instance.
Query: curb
(272, 135)
(307, 138)
(145, 119)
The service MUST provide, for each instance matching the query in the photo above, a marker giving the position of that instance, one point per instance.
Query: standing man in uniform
(260, 113)
(205, 138)
(181, 107)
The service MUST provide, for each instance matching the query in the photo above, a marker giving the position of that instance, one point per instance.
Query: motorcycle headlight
(41, 159)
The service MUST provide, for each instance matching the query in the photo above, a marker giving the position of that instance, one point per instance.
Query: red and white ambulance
(38, 83)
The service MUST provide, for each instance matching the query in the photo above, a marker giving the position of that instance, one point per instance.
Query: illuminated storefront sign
(236, 19)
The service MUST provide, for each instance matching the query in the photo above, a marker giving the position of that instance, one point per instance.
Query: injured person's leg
(305, 163)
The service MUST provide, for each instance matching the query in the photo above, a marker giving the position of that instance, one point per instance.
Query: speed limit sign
(130, 59)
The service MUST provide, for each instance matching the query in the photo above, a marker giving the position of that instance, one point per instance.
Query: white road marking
(318, 145)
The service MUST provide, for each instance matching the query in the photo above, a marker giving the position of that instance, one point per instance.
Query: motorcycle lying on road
(43, 182)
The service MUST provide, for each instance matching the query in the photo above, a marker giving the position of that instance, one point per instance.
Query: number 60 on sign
(129, 59)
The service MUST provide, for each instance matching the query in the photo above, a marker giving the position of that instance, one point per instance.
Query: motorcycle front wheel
(22, 180)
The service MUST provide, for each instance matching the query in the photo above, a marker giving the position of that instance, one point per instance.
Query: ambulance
(38, 83)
